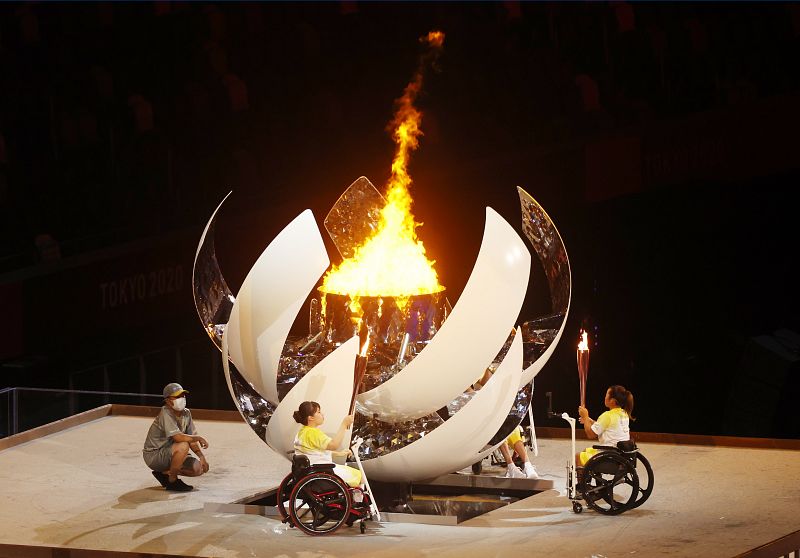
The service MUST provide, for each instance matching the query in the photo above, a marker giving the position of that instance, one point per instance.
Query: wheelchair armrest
(605, 448)
(628, 446)
(302, 466)
(322, 467)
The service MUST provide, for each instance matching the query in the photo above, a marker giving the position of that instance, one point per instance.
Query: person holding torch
(318, 446)
(611, 427)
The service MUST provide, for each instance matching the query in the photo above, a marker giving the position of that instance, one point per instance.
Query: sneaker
(513, 472)
(161, 478)
(358, 496)
(178, 486)
(530, 471)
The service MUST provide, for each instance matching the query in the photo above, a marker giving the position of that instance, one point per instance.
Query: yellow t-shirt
(313, 442)
(612, 426)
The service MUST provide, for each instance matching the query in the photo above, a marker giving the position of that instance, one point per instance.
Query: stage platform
(80, 486)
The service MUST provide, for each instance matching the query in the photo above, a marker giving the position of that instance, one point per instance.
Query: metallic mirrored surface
(255, 410)
(457, 442)
(212, 297)
(214, 301)
(546, 241)
(543, 333)
(355, 216)
(398, 329)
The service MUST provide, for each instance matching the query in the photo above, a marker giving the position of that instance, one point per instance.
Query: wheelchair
(317, 501)
(615, 480)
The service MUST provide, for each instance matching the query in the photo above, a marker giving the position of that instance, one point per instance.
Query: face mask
(179, 404)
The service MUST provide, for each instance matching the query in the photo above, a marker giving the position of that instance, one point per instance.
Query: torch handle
(358, 376)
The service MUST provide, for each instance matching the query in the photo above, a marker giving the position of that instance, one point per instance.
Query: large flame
(392, 261)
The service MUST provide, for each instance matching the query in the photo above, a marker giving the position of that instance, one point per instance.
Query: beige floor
(87, 487)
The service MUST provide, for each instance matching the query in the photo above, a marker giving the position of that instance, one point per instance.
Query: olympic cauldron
(417, 410)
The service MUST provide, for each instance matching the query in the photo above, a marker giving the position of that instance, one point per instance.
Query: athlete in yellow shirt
(612, 426)
(318, 446)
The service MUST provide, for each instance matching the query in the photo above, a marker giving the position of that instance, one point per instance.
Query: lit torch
(583, 364)
(358, 373)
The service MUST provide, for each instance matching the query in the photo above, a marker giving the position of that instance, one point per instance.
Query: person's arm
(336, 441)
(169, 425)
(196, 446)
(587, 422)
(192, 439)
(199, 453)
(190, 436)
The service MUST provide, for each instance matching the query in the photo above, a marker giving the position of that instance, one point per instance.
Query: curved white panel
(269, 300)
(530, 372)
(471, 336)
(205, 230)
(329, 383)
(456, 443)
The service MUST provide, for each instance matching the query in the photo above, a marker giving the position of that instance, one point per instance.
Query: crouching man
(171, 436)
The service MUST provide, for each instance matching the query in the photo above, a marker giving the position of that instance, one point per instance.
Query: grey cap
(173, 390)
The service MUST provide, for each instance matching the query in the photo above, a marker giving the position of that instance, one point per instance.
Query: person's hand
(583, 413)
(204, 464)
(202, 441)
(348, 421)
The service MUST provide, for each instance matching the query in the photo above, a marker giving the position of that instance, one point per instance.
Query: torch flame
(392, 261)
(365, 348)
(583, 364)
(583, 345)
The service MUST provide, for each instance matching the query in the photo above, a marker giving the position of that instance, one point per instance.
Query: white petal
(458, 442)
(471, 336)
(269, 300)
(329, 383)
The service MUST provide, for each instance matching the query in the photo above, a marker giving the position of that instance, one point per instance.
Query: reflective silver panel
(255, 409)
(355, 216)
(398, 329)
(214, 301)
(544, 237)
(212, 297)
(381, 437)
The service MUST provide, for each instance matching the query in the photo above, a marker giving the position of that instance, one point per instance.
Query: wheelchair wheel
(645, 473)
(319, 504)
(610, 483)
(282, 495)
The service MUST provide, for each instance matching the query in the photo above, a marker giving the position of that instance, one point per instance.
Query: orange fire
(392, 261)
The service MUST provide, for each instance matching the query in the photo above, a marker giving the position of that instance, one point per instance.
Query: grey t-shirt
(165, 426)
